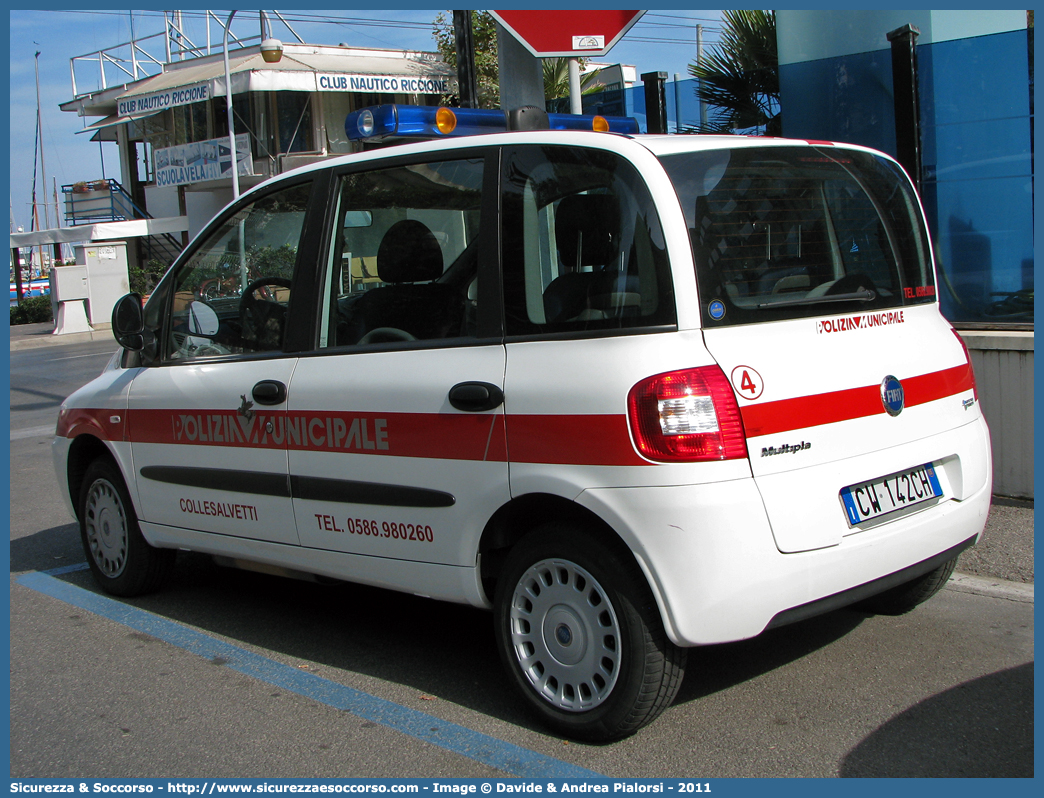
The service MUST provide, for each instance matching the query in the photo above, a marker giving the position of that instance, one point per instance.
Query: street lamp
(271, 51)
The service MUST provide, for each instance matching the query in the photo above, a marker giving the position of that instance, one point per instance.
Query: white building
(172, 127)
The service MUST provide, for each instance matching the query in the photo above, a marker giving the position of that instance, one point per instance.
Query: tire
(903, 598)
(122, 562)
(581, 636)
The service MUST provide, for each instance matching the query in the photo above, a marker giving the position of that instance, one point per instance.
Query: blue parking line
(482, 748)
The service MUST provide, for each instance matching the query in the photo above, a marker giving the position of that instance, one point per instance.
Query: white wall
(1003, 363)
(162, 201)
(202, 206)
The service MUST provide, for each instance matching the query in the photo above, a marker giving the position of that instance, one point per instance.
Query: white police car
(634, 393)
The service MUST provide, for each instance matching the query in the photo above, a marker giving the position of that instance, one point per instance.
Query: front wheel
(121, 560)
(581, 636)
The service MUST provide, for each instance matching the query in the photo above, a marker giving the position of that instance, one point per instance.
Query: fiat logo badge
(892, 395)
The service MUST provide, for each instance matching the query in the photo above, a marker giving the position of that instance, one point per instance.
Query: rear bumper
(852, 595)
(710, 557)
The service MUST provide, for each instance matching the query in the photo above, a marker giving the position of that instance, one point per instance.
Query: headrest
(409, 253)
(587, 228)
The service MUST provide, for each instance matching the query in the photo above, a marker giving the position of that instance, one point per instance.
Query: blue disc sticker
(716, 309)
(892, 395)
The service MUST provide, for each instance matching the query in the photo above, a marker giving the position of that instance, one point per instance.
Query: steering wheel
(262, 319)
(209, 350)
(382, 334)
(262, 282)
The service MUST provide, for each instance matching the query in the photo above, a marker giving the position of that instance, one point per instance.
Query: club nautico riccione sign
(387, 84)
(159, 100)
(145, 104)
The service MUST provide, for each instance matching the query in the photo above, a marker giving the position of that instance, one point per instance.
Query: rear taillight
(967, 356)
(686, 416)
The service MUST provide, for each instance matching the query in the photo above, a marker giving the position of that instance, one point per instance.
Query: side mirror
(128, 323)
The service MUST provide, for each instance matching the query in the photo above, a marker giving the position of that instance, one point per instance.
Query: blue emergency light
(419, 121)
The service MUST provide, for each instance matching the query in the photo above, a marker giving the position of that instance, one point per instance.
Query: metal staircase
(96, 201)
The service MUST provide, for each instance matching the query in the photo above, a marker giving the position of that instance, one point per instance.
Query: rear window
(791, 232)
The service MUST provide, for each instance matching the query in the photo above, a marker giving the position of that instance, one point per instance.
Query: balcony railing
(93, 201)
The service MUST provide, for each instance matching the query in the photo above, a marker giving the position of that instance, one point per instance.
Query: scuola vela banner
(202, 160)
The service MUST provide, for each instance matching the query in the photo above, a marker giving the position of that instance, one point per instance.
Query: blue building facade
(975, 81)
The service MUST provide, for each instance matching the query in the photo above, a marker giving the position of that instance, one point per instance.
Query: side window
(582, 247)
(404, 262)
(231, 296)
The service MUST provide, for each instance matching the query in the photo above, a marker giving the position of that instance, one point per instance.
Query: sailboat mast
(39, 128)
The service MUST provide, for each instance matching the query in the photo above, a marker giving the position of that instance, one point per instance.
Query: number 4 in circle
(747, 382)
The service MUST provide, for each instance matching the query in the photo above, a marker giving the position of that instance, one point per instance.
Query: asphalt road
(233, 674)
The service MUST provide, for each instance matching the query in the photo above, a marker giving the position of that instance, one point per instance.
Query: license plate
(879, 497)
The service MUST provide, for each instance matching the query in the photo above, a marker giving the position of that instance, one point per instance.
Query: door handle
(475, 397)
(269, 392)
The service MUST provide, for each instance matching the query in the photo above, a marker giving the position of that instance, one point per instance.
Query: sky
(660, 41)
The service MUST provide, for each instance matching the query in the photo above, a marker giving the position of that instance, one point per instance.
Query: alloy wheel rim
(565, 635)
(106, 523)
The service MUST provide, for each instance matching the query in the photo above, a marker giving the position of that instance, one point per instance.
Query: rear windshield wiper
(865, 295)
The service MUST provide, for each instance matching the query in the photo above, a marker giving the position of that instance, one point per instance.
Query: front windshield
(792, 232)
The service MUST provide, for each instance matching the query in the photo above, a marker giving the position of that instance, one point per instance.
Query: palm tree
(739, 80)
(556, 78)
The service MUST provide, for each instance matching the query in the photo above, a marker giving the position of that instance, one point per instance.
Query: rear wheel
(122, 562)
(581, 636)
(903, 598)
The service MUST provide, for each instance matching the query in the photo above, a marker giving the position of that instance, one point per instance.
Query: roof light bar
(420, 121)
(600, 124)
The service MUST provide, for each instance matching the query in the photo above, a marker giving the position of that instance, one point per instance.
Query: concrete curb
(58, 340)
(33, 336)
(995, 588)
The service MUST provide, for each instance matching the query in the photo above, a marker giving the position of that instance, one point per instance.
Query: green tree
(484, 33)
(144, 278)
(556, 78)
(739, 80)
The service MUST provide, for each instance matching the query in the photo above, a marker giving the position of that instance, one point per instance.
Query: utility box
(107, 278)
(68, 290)
(69, 283)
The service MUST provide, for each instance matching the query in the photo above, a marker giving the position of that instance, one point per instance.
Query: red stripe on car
(787, 415)
(572, 440)
(565, 440)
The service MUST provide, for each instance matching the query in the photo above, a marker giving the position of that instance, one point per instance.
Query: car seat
(591, 283)
(409, 259)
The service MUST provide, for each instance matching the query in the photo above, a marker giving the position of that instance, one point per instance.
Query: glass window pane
(294, 121)
(405, 260)
(782, 232)
(232, 295)
(582, 245)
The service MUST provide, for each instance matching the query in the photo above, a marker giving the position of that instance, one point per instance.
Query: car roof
(674, 144)
(658, 145)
